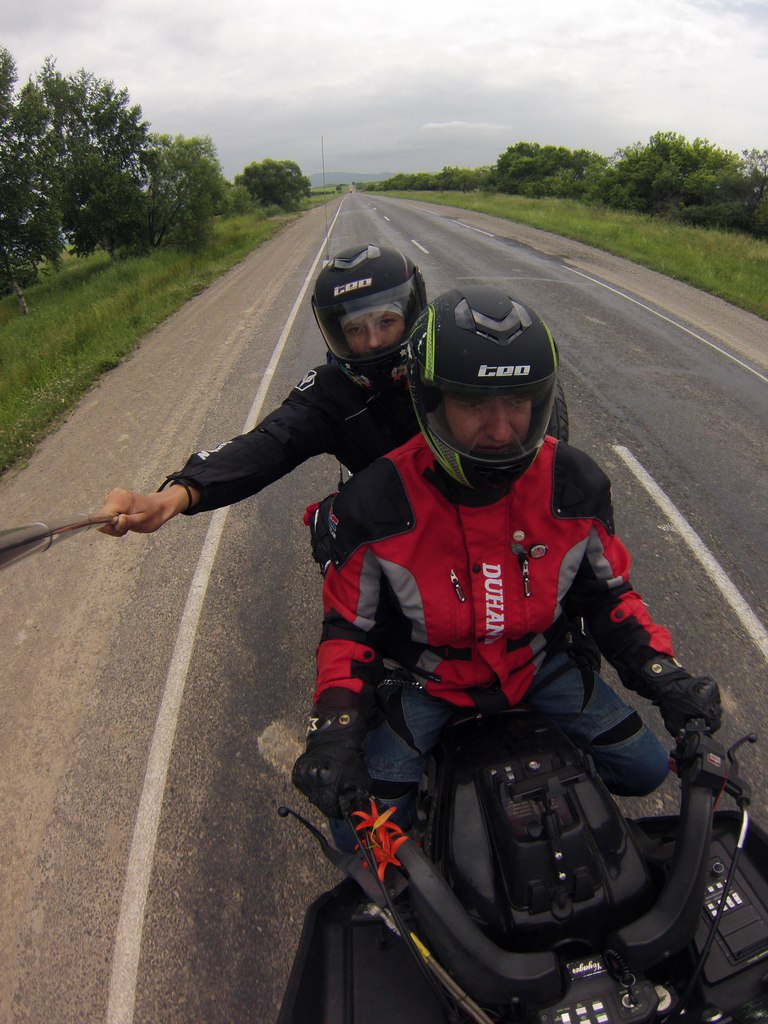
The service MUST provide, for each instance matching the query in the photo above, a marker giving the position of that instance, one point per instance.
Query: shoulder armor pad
(580, 489)
(370, 507)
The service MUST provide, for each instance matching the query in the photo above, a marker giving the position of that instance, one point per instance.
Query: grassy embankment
(730, 265)
(86, 318)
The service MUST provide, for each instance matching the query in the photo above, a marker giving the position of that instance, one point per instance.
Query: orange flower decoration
(381, 836)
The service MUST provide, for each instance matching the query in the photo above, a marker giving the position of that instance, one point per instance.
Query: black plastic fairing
(528, 837)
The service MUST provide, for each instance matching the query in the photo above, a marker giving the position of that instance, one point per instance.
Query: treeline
(692, 182)
(81, 170)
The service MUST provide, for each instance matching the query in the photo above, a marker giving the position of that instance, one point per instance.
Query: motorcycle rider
(356, 407)
(478, 541)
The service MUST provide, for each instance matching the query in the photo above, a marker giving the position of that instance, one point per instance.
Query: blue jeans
(628, 757)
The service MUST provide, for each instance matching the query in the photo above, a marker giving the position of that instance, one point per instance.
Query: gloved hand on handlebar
(333, 764)
(679, 696)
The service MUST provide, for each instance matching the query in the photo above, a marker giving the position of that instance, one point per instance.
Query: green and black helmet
(365, 281)
(482, 369)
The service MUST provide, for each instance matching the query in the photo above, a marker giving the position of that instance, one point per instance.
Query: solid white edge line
(480, 231)
(712, 567)
(669, 320)
(127, 948)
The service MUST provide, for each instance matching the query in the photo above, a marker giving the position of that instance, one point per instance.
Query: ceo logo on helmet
(503, 371)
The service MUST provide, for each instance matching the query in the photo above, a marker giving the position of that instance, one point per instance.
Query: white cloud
(414, 86)
(463, 126)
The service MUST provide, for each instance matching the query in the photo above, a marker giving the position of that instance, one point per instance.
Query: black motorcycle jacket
(326, 413)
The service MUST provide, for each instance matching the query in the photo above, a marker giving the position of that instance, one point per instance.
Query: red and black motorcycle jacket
(475, 590)
(326, 413)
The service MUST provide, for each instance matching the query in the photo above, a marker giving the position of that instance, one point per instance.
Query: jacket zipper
(457, 587)
(522, 558)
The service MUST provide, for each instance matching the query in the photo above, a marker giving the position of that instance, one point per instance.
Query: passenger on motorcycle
(473, 547)
(355, 407)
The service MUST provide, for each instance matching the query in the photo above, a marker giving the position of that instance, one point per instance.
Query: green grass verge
(728, 264)
(86, 318)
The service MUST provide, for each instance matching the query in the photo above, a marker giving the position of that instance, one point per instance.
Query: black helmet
(355, 284)
(483, 372)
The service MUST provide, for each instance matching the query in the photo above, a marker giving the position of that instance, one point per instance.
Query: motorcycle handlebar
(665, 929)
(481, 966)
(490, 971)
(669, 924)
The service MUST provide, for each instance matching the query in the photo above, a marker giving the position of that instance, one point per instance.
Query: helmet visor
(493, 427)
(363, 330)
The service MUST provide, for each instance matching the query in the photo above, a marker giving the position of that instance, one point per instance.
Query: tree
(520, 166)
(422, 181)
(529, 169)
(652, 178)
(29, 213)
(695, 182)
(103, 145)
(185, 187)
(236, 200)
(462, 179)
(716, 193)
(754, 167)
(275, 183)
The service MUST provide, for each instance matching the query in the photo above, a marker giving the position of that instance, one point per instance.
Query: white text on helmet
(342, 289)
(503, 371)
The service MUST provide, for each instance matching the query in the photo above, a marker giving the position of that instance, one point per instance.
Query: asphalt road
(147, 734)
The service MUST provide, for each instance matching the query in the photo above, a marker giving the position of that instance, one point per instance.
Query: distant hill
(347, 177)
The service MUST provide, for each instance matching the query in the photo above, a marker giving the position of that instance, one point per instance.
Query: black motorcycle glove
(317, 519)
(333, 764)
(679, 696)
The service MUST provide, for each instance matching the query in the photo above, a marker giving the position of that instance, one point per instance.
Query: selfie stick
(26, 540)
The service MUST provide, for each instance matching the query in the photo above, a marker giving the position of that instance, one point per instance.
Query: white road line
(669, 320)
(480, 231)
(420, 246)
(127, 949)
(712, 567)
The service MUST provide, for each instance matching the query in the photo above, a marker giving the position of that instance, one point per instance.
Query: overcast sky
(416, 85)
